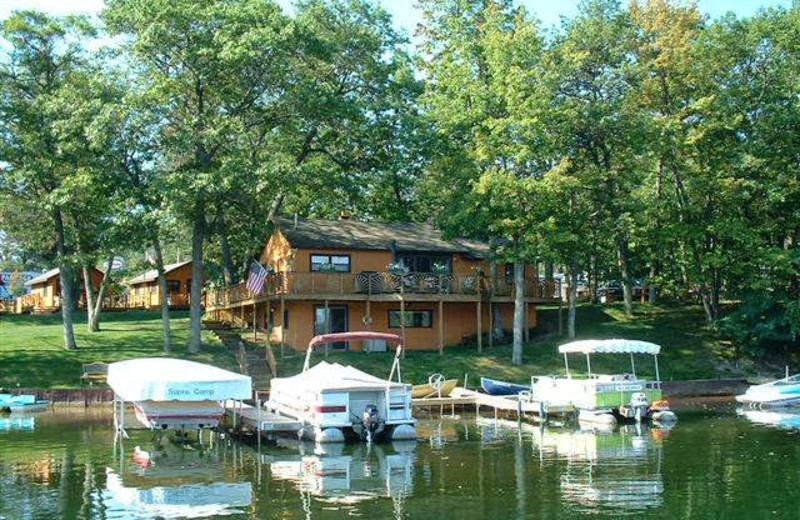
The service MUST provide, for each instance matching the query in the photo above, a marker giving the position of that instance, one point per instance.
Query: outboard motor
(639, 405)
(370, 422)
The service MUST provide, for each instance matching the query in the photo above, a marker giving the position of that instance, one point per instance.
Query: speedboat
(783, 392)
(495, 387)
(330, 400)
(605, 398)
(174, 394)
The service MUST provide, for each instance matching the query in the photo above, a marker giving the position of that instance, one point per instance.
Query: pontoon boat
(330, 399)
(604, 398)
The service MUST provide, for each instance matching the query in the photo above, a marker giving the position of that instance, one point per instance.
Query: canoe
(427, 390)
(495, 387)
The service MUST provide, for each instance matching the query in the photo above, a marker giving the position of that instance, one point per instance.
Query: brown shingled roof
(354, 234)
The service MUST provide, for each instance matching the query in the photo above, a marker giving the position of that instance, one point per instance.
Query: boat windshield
(793, 380)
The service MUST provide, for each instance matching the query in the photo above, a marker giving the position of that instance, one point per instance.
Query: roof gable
(152, 274)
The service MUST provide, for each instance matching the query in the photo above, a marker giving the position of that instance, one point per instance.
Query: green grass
(32, 353)
(689, 350)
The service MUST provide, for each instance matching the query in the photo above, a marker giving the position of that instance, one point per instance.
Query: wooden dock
(498, 403)
(242, 414)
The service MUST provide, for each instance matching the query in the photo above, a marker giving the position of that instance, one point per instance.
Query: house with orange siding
(45, 291)
(404, 278)
(145, 291)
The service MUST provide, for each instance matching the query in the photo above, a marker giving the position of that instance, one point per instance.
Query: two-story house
(403, 278)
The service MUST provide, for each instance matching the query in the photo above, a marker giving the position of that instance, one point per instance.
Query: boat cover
(609, 346)
(331, 376)
(168, 379)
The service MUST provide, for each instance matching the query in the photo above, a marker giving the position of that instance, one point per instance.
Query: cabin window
(440, 264)
(173, 286)
(411, 319)
(330, 263)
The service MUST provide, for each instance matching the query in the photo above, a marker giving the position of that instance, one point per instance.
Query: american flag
(256, 277)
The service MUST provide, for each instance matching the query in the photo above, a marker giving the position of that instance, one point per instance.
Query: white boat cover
(331, 376)
(609, 346)
(168, 379)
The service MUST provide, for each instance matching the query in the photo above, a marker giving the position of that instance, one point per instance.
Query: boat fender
(330, 435)
(661, 404)
(404, 432)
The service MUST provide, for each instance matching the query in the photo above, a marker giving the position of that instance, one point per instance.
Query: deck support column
(283, 324)
(327, 325)
(255, 320)
(480, 318)
(403, 317)
(441, 326)
(243, 323)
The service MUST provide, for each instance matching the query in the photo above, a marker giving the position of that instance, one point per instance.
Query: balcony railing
(376, 283)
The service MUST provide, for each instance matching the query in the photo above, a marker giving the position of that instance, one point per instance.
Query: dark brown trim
(312, 254)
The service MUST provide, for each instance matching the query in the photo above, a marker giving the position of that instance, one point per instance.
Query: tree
(44, 157)
(208, 66)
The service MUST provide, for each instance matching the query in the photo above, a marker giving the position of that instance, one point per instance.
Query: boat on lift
(605, 398)
(776, 394)
(437, 386)
(331, 400)
(174, 394)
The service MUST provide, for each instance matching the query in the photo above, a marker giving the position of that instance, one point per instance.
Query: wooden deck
(265, 422)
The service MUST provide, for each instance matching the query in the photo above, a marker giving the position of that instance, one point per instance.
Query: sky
(405, 15)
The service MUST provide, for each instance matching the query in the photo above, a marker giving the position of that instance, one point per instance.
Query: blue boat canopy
(610, 346)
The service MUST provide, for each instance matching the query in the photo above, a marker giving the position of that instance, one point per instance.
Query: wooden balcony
(382, 286)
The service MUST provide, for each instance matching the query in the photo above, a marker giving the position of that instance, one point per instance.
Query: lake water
(715, 463)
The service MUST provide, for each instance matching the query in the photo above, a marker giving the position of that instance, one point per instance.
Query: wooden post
(441, 325)
(480, 320)
(283, 324)
(402, 317)
(327, 326)
(560, 318)
(244, 322)
(271, 363)
(526, 333)
(255, 319)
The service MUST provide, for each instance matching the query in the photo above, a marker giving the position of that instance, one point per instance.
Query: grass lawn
(32, 353)
(689, 350)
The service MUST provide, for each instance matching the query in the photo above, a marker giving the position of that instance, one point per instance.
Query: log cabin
(45, 291)
(145, 291)
(403, 278)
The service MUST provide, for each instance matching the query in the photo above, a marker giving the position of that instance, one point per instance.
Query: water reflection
(346, 474)
(25, 423)
(782, 419)
(174, 479)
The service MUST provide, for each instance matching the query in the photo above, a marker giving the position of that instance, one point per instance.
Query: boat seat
(94, 372)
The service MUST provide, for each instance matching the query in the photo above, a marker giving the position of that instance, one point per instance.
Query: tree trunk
(627, 291)
(651, 287)
(195, 298)
(573, 300)
(162, 284)
(94, 320)
(89, 291)
(519, 311)
(228, 273)
(66, 279)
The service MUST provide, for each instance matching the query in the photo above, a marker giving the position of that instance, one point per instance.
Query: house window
(440, 264)
(173, 286)
(412, 319)
(330, 263)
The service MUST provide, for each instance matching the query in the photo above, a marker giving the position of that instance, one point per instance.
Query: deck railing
(373, 282)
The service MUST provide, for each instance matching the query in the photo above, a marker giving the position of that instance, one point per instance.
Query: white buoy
(329, 435)
(404, 432)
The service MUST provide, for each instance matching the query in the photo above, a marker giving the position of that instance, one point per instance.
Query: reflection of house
(146, 292)
(45, 291)
(341, 275)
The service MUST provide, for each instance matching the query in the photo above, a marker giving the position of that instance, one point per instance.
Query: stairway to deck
(251, 357)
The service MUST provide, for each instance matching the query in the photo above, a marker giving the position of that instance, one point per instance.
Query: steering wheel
(436, 381)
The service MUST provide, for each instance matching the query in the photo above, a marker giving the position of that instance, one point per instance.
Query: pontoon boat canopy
(168, 379)
(326, 376)
(609, 346)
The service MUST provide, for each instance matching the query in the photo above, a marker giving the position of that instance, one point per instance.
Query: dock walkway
(263, 421)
